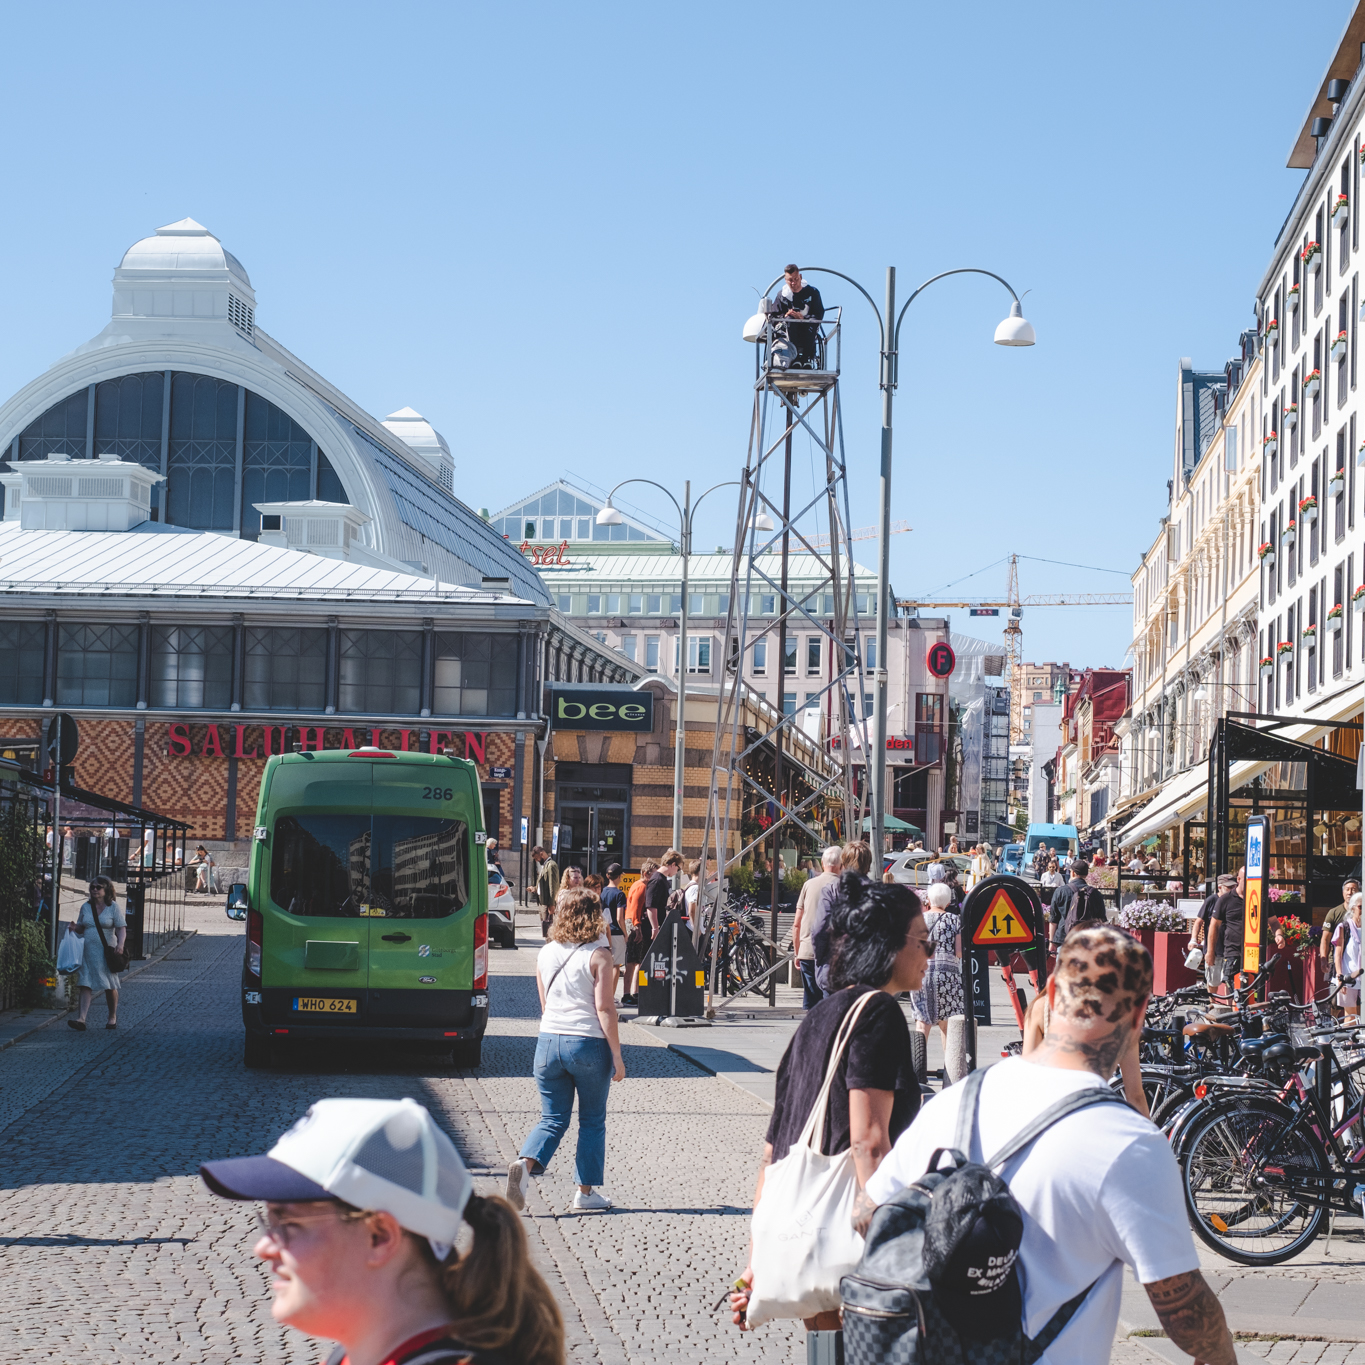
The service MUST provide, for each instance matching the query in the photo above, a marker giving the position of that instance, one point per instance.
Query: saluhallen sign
(260, 741)
(601, 708)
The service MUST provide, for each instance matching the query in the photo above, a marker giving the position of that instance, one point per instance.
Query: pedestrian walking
(806, 900)
(97, 973)
(855, 856)
(1213, 963)
(880, 948)
(578, 1050)
(638, 937)
(1051, 880)
(1226, 929)
(547, 886)
(940, 995)
(1334, 917)
(1099, 1188)
(364, 1200)
(1075, 902)
(613, 910)
(658, 889)
(1347, 956)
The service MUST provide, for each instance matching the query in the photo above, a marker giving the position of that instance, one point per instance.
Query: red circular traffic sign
(941, 660)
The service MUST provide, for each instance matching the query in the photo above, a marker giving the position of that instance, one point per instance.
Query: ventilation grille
(48, 486)
(99, 488)
(323, 533)
(447, 477)
(241, 315)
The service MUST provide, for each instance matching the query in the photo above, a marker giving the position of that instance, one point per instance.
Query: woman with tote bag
(846, 1089)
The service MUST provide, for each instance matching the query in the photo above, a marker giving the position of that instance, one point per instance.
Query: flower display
(1310, 634)
(1308, 504)
(1272, 330)
(1336, 483)
(1339, 347)
(1286, 649)
(1290, 416)
(1270, 444)
(1334, 617)
(1267, 666)
(1298, 934)
(1311, 255)
(1154, 915)
(1358, 597)
(1293, 296)
(1290, 533)
(1266, 551)
(1312, 382)
(1340, 210)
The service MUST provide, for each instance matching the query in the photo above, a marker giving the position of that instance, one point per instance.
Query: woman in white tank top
(579, 1049)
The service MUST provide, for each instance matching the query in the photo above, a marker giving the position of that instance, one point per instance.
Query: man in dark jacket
(1074, 902)
(796, 300)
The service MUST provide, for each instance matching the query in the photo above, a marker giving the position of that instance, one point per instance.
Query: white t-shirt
(1348, 934)
(1099, 1190)
(570, 1000)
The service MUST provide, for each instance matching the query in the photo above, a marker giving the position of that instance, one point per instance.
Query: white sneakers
(518, 1182)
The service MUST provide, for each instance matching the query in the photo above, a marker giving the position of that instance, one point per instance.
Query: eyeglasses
(280, 1230)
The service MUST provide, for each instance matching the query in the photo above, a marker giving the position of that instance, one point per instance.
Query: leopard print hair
(1101, 973)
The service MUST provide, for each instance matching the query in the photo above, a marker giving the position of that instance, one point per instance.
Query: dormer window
(242, 316)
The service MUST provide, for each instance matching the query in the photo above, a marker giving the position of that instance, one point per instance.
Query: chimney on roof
(62, 494)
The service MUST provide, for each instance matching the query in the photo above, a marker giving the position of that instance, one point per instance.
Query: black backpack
(1087, 903)
(938, 1283)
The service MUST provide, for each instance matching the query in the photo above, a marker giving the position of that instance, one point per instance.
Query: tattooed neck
(1089, 1050)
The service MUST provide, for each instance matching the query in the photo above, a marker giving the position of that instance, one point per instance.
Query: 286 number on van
(438, 793)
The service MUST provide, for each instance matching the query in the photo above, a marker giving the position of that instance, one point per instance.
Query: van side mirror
(237, 903)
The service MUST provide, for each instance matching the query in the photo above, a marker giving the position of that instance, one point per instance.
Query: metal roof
(170, 561)
(585, 568)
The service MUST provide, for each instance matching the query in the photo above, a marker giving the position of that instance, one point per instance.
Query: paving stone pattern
(113, 1250)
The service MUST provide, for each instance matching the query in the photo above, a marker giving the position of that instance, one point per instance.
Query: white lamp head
(1016, 330)
(753, 329)
(609, 516)
(762, 522)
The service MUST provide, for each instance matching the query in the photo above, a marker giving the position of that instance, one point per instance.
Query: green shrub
(742, 880)
(24, 959)
(793, 881)
(24, 962)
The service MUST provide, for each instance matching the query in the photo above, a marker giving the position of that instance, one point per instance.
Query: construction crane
(862, 533)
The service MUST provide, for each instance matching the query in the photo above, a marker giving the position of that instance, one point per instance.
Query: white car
(502, 910)
(912, 866)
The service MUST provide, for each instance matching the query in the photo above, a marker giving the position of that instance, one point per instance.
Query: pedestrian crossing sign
(1002, 923)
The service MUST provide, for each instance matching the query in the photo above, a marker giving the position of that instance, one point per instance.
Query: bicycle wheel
(1256, 1186)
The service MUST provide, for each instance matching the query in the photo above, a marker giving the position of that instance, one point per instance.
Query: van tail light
(481, 953)
(254, 925)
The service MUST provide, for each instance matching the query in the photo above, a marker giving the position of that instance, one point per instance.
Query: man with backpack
(1019, 1195)
(1074, 902)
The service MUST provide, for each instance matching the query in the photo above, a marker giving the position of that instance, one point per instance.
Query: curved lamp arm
(682, 521)
(962, 270)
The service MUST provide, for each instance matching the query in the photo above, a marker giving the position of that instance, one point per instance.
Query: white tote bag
(804, 1240)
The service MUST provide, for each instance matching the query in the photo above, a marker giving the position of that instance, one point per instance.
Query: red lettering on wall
(238, 750)
(213, 744)
(268, 733)
(312, 737)
(179, 745)
(476, 746)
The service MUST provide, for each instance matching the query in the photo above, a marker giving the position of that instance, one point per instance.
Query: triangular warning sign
(1001, 924)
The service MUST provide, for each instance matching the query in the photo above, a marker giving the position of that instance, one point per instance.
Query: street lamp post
(609, 516)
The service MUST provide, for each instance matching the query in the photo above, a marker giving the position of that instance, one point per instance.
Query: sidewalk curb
(132, 971)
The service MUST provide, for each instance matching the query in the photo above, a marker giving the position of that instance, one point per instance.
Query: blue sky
(543, 226)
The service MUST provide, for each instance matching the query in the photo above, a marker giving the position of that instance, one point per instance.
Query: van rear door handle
(395, 938)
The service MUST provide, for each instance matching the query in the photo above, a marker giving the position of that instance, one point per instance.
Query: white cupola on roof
(185, 282)
(426, 443)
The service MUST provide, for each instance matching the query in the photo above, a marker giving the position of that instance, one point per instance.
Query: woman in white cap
(363, 1202)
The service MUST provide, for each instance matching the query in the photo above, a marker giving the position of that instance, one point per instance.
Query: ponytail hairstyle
(868, 925)
(498, 1300)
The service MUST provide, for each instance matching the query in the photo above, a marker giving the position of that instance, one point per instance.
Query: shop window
(21, 663)
(812, 656)
(192, 666)
(201, 470)
(476, 674)
(651, 653)
(59, 431)
(381, 672)
(286, 670)
(97, 666)
(698, 653)
(760, 658)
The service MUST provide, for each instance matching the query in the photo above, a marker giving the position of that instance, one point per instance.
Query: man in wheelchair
(798, 301)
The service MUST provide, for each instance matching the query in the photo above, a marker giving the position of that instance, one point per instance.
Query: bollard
(955, 1049)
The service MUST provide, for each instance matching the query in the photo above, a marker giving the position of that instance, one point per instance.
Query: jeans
(812, 994)
(566, 1062)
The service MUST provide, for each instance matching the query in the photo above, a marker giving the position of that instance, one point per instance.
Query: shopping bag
(70, 953)
(803, 1236)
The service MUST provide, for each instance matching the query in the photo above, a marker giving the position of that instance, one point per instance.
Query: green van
(366, 903)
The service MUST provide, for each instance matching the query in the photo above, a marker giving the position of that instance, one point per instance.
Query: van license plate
(317, 1005)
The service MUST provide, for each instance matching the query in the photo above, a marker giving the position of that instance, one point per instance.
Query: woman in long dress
(941, 994)
(95, 974)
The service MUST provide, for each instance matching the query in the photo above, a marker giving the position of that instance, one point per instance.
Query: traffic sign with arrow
(1002, 924)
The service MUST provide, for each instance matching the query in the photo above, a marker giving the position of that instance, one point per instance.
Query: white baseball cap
(384, 1155)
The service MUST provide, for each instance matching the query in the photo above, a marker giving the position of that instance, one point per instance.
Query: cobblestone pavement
(113, 1251)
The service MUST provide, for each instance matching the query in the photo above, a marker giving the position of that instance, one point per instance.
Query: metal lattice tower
(789, 401)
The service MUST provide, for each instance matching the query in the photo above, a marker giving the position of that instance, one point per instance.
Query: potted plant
(1266, 554)
(1338, 351)
(1312, 382)
(1308, 509)
(1290, 534)
(1272, 331)
(1285, 652)
(1358, 598)
(1334, 619)
(1267, 666)
(1310, 636)
(1311, 256)
(1165, 933)
(1340, 211)
(1290, 416)
(1295, 292)
(1270, 444)
(1336, 485)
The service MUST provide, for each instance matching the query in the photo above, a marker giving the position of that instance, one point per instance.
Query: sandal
(75, 1023)
(112, 1025)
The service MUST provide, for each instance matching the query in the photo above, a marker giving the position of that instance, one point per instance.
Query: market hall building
(209, 554)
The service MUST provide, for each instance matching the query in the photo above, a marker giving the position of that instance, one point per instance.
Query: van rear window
(384, 866)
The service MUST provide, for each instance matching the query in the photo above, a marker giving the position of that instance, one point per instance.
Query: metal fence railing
(156, 912)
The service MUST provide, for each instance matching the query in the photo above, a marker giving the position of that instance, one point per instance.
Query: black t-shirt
(613, 902)
(1229, 911)
(657, 892)
(1206, 910)
(877, 1057)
